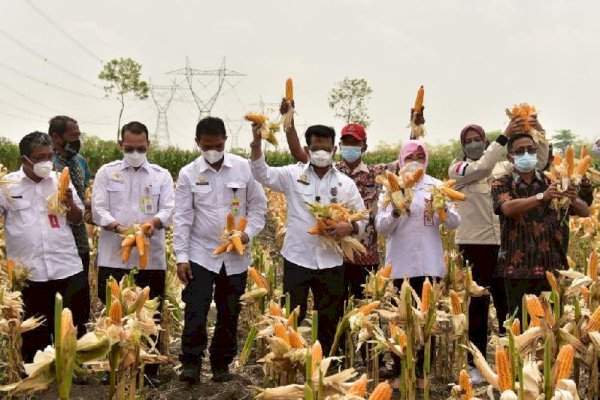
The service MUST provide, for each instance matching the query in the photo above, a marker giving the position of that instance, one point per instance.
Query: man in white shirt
(208, 189)
(307, 264)
(42, 240)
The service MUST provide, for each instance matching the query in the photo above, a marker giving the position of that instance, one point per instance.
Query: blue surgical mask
(350, 153)
(526, 162)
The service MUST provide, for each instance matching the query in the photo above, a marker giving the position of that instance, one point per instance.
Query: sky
(474, 57)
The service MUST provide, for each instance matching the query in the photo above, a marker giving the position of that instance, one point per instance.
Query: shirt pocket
(235, 195)
(305, 192)
(20, 206)
(480, 187)
(203, 196)
(155, 196)
(116, 192)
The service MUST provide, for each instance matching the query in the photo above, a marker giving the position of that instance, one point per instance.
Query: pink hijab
(410, 147)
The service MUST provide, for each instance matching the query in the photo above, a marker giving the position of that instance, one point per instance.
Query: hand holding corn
(234, 237)
(137, 236)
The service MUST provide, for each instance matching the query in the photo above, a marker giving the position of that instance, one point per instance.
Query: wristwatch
(539, 196)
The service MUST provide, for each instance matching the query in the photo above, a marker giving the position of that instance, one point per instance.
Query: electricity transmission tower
(219, 76)
(162, 96)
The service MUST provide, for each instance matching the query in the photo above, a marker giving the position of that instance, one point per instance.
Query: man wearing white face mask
(126, 192)
(42, 240)
(307, 264)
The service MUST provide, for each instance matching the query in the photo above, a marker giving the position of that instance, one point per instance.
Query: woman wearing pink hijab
(413, 242)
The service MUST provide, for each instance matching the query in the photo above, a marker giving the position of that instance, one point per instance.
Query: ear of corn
(256, 118)
(230, 222)
(583, 166)
(516, 327)
(594, 322)
(453, 194)
(368, 308)
(237, 244)
(465, 384)
(115, 313)
(593, 265)
(221, 249)
(140, 243)
(241, 225)
(143, 259)
(534, 306)
(146, 228)
(570, 160)
(63, 184)
(296, 340)
(281, 332)
(316, 352)
(393, 181)
(552, 281)
(419, 99)
(289, 89)
(256, 278)
(10, 269)
(425, 295)
(275, 310)
(359, 388)
(455, 301)
(503, 370)
(411, 179)
(564, 362)
(556, 160)
(125, 253)
(383, 391)
(386, 271)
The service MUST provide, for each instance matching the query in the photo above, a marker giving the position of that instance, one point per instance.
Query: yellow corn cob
(115, 290)
(583, 152)
(593, 265)
(289, 89)
(465, 384)
(237, 244)
(516, 327)
(10, 269)
(146, 228)
(383, 391)
(393, 181)
(280, 332)
(144, 297)
(229, 247)
(552, 281)
(275, 310)
(453, 194)
(295, 340)
(556, 161)
(410, 179)
(583, 166)
(140, 243)
(125, 253)
(256, 278)
(585, 293)
(419, 100)
(394, 330)
(256, 118)
(425, 295)
(367, 308)
(66, 322)
(386, 271)
(594, 322)
(503, 370)
(550, 176)
(63, 184)
(450, 183)
(221, 249)
(402, 340)
(316, 352)
(143, 259)
(359, 388)
(456, 308)
(564, 362)
(230, 222)
(534, 306)
(115, 313)
(241, 225)
(128, 240)
(570, 160)
(291, 321)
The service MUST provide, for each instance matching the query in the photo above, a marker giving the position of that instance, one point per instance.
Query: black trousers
(197, 296)
(327, 286)
(355, 277)
(39, 300)
(153, 278)
(85, 260)
(483, 260)
(517, 288)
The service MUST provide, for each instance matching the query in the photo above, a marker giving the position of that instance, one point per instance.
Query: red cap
(355, 130)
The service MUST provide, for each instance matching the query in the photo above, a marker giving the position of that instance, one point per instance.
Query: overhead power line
(64, 32)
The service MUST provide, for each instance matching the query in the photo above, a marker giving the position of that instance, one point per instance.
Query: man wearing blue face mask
(531, 238)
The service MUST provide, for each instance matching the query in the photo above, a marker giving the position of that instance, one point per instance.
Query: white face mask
(135, 158)
(43, 169)
(320, 158)
(212, 156)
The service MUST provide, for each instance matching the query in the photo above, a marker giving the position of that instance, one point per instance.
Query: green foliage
(563, 138)
(348, 99)
(9, 154)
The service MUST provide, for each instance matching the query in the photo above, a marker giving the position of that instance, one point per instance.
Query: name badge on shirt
(428, 213)
(147, 205)
(54, 222)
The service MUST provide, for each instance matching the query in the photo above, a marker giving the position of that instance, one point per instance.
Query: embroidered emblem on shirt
(304, 179)
(116, 176)
(201, 180)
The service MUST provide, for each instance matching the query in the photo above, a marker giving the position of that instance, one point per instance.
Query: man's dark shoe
(190, 373)
(221, 374)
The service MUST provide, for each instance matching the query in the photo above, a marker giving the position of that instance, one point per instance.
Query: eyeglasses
(521, 151)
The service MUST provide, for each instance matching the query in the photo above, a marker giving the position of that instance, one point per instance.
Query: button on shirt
(127, 196)
(203, 199)
(413, 248)
(48, 252)
(300, 184)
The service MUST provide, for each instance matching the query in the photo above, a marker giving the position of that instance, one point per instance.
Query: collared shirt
(42, 241)
(300, 184)
(413, 245)
(531, 243)
(80, 177)
(364, 176)
(203, 199)
(127, 196)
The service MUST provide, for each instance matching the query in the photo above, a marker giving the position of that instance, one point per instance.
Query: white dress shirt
(41, 241)
(203, 199)
(300, 184)
(127, 196)
(412, 247)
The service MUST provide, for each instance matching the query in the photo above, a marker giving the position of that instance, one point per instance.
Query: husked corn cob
(402, 340)
(594, 322)
(10, 269)
(583, 152)
(419, 99)
(453, 194)
(425, 295)
(289, 90)
(146, 228)
(556, 160)
(296, 340)
(411, 179)
(316, 352)
(564, 362)
(503, 370)
(241, 225)
(394, 330)
(115, 290)
(143, 260)
(275, 310)
(570, 160)
(552, 281)
(393, 181)
(66, 322)
(367, 308)
(386, 271)
(230, 222)
(280, 332)
(140, 243)
(143, 297)
(516, 327)
(115, 313)
(450, 183)
(534, 306)
(583, 166)
(456, 308)
(256, 278)
(383, 391)
(593, 265)
(465, 384)
(221, 249)
(63, 184)
(585, 293)
(256, 118)
(237, 244)
(359, 388)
